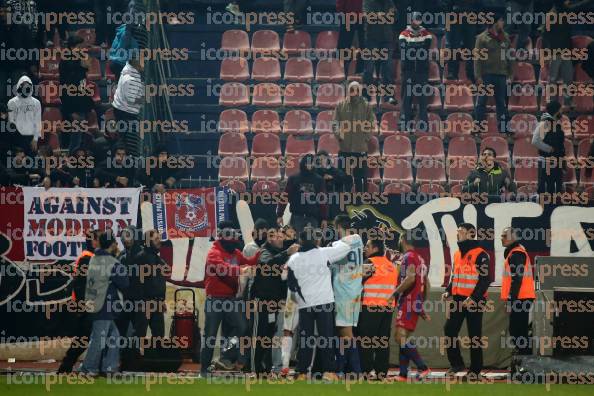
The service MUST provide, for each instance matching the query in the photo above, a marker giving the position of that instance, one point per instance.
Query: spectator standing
(549, 139)
(123, 46)
(346, 35)
(106, 277)
(131, 240)
(519, 8)
(303, 191)
(493, 71)
(488, 177)
(163, 176)
(415, 42)
(118, 170)
(354, 122)
(461, 35)
(24, 116)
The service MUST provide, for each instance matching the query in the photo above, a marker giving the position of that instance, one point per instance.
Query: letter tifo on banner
(55, 220)
(190, 213)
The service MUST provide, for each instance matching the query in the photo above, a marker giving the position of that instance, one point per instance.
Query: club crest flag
(56, 219)
(190, 213)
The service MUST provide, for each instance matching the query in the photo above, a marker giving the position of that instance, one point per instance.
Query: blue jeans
(499, 84)
(103, 348)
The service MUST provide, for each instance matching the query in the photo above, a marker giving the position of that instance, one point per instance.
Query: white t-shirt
(313, 275)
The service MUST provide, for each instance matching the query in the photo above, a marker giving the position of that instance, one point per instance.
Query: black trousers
(320, 317)
(519, 315)
(265, 320)
(374, 328)
(346, 38)
(474, 325)
(150, 317)
(81, 335)
(355, 166)
(550, 177)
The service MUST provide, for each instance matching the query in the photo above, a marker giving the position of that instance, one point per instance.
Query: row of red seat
(50, 70)
(457, 98)
(398, 170)
(300, 122)
(397, 146)
(49, 92)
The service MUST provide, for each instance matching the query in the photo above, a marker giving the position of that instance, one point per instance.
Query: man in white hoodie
(24, 112)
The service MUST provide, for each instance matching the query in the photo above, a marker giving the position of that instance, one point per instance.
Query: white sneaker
(233, 9)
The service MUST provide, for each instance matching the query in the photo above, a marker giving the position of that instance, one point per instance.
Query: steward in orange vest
(517, 288)
(376, 311)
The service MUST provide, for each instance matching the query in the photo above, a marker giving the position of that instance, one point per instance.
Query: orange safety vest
(85, 253)
(465, 275)
(527, 286)
(380, 286)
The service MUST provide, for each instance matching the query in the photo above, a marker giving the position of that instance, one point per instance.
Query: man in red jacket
(224, 264)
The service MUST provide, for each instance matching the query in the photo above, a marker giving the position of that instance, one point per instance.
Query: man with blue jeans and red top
(224, 264)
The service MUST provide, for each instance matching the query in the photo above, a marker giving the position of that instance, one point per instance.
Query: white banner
(56, 219)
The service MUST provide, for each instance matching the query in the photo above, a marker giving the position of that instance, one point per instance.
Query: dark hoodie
(303, 192)
(555, 138)
(268, 284)
(491, 181)
(482, 266)
(129, 258)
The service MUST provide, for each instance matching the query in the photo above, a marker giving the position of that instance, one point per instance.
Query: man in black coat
(132, 240)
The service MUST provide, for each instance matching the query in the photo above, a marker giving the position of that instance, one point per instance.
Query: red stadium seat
(523, 73)
(429, 147)
(265, 168)
(324, 121)
(373, 149)
(398, 146)
(266, 69)
(490, 125)
(462, 77)
(88, 35)
(298, 95)
(456, 189)
(458, 124)
(296, 42)
(234, 69)
(235, 185)
(528, 189)
(262, 186)
(94, 72)
(458, 98)
(266, 144)
(330, 70)
(265, 42)
(233, 144)
(234, 94)
(526, 175)
(266, 121)
(499, 144)
(299, 70)
(583, 104)
(524, 101)
(233, 120)
(373, 173)
(94, 91)
(298, 146)
(569, 151)
(585, 180)
(580, 41)
(51, 120)
(523, 125)
(398, 170)
(431, 172)
(524, 152)
(235, 41)
(297, 122)
(267, 95)
(569, 179)
(434, 126)
(431, 188)
(327, 41)
(459, 170)
(434, 103)
(329, 95)
(328, 142)
(583, 126)
(390, 123)
(434, 76)
(462, 147)
(584, 148)
(580, 75)
(49, 69)
(396, 188)
(373, 187)
(233, 168)
(351, 72)
(49, 91)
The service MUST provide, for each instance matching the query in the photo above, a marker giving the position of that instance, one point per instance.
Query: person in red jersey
(412, 288)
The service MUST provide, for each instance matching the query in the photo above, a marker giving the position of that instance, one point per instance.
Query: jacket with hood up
(222, 270)
(24, 111)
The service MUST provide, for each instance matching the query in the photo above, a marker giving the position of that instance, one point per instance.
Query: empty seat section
(298, 95)
(266, 144)
(299, 70)
(266, 69)
(233, 120)
(267, 95)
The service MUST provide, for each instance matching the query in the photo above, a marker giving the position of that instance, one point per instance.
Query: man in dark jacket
(117, 171)
(270, 293)
(303, 192)
(471, 277)
(131, 239)
(415, 42)
(162, 176)
(152, 271)
(461, 35)
(488, 176)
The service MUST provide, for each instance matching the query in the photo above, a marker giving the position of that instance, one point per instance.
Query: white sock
(286, 350)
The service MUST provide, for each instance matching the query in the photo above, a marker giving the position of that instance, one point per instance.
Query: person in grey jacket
(106, 279)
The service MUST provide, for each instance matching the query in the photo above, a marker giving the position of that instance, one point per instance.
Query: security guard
(517, 288)
(468, 288)
(377, 308)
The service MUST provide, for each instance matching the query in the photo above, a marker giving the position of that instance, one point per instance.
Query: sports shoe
(233, 8)
(284, 372)
(329, 377)
(421, 375)
(399, 378)
(301, 377)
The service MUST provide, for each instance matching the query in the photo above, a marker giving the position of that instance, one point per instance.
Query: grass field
(30, 385)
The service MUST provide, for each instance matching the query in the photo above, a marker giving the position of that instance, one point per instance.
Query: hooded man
(24, 112)
(224, 264)
(488, 176)
(415, 41)
(549, 139)
(305, 192)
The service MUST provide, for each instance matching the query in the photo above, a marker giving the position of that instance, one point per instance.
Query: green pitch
(180, 386)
